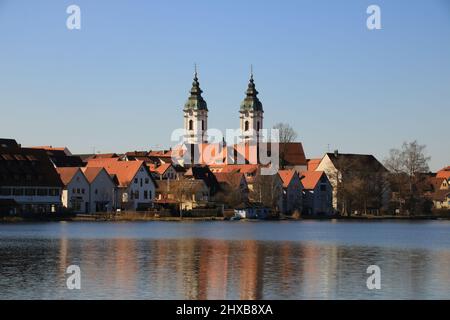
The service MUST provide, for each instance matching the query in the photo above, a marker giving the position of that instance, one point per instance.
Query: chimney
(336, 153)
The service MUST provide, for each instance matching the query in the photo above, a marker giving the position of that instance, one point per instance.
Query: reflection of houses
(187, 194)
(317, 195)
(136, 188)
(75, 195)
(292, 190)
(28, 180)
(102, 189)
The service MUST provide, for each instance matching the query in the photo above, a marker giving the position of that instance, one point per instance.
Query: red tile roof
(310, 179)
(91, 173)
(67, 174)
(444, 173)
(232, 179)
(163, 168)
(286, 176)
(123, 170)
(313, 164)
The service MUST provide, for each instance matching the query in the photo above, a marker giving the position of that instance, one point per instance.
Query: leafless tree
(267, 190)
(408, 166)
(286, 135)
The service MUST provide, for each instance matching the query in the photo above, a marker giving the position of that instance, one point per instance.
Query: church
(248, 149)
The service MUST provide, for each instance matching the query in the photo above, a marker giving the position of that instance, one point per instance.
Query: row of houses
(48, 179)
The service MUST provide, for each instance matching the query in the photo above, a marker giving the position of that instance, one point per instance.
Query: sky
(119, 84)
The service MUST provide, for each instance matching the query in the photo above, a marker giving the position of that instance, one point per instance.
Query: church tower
(195, 115)
(251, 118)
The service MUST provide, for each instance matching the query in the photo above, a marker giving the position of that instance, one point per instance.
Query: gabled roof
(287, 176)
(310, 179)
(67, 174)
(313, 164)
(91, 173)
(231, 179)
(123, 170)
(356, 162)
(163, 168)
(444, 173)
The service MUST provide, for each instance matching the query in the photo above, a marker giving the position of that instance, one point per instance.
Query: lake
(226, 260)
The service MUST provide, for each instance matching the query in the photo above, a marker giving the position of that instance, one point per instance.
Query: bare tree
(267, 190)
(286, 135)
(408, 166)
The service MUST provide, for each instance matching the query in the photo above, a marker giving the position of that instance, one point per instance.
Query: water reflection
(216, 269)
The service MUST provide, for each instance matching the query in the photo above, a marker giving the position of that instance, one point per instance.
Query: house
(186, 194)
(345, 169)
(439, 192)
(75, 195)
(317, 193)
(136, 187)
(166, 171)
(102, 189)
(200, 172)
(233, 188)
(29, 182)
(292, 191)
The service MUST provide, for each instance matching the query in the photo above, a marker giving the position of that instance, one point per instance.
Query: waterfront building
(75, 195)
(102, 189)
(135, 185)
(29, 182)
(292, 191)
(344, 168)
(187, 194)
(317, 193)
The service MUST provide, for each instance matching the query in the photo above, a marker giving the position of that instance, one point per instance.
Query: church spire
(251, 101)
(195, 100)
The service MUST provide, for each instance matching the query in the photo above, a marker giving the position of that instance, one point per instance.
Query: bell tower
(195, 115)
(251, 113)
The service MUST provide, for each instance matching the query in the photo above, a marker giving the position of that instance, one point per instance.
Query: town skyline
(129, 87)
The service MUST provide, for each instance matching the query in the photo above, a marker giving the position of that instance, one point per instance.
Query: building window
(257, 126)
(246, 126)
(42, 192)
(191, 125)
(323, 187)
(5, 191)
(82, 191)
(96, 191)
(74, 190)
(203, 125)
(52, 192)
(147, 180)
(141, 182)
(30, 192)
(18, 192)
(136, 194)
(78, 190)
(145, 194)
(135, 180)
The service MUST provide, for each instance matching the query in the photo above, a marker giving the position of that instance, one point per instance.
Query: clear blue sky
(121, 81)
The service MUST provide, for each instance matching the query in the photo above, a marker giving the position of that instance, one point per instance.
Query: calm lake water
(225, 260)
